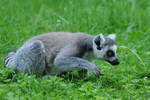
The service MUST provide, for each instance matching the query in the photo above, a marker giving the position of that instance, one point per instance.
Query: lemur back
(55, 41)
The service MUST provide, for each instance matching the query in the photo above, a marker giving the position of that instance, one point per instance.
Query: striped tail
(9, 58)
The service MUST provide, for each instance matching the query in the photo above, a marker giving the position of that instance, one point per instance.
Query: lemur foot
(96, 70)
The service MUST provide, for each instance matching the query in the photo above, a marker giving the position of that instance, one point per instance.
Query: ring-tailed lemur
(59, 52)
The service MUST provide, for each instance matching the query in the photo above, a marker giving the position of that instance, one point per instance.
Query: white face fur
(105, 48)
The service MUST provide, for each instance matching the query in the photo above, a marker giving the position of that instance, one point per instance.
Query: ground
(129, 19)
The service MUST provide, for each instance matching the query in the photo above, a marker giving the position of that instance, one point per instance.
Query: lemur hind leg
(30, 58)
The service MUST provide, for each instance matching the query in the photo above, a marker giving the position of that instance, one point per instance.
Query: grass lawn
(129, 19)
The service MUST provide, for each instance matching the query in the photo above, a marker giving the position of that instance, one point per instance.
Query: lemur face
(105, 48)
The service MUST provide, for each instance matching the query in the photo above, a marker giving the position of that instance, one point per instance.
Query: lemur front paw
(96, 70)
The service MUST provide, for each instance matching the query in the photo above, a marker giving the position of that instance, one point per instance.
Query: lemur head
(105, 48)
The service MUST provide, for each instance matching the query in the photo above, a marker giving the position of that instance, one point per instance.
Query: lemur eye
(110, 53)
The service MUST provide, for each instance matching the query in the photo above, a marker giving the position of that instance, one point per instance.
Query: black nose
(115, 62)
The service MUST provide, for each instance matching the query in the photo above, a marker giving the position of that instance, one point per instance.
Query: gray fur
(30, 58)
(55, 53)
(109, 42)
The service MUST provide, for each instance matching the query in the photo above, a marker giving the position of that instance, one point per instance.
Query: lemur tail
(9, 58)
(30, 58)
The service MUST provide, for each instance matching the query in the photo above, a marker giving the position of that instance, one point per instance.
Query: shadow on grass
(8, 75)
(104, 81)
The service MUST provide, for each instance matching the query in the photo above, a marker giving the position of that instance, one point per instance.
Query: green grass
(129, 19)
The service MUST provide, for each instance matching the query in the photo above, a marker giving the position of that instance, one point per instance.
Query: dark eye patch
(110, 53)
(99, 48)
(97, 42)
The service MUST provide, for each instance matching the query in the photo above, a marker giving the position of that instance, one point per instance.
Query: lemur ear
(99, 41)
(112, 36)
